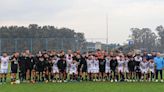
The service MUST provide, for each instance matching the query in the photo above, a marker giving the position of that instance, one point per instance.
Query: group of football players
(58, 66)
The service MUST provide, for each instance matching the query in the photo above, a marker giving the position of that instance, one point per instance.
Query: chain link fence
(11, 45)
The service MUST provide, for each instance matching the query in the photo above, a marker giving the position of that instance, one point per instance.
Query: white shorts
(89, 71)
(152, 70)
(144, 71)
(4, 71)
(107, 70)
(72, 72)
(95, 71)
(120, 69)
(55, 71)
(67, 70)
(126, 70)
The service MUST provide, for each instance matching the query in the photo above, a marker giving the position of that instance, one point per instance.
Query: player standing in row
(4, 61)
(144, 66)
(121, 62)
(107, 68)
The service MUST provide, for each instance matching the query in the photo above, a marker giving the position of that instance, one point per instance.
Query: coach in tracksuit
(159, 62)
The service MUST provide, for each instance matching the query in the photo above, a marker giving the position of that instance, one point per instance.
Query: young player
(73, 70)
(126, 70)
(22, 67)
(47, 68)
(138, 59)
(84, 67)
(62, 64)
(131, 68)
(95, 69)
(69, 59)
(107, 68)
(55, 69)
(102, 68)
(32, 68)
(27, 65)
(14, 67)
(121, 68)
(113, 66)
(40, 69)
(151, 70)
(90, 64)
(144, 65)
(4, 61)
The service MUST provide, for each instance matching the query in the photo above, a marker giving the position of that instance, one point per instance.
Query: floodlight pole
(107, 38)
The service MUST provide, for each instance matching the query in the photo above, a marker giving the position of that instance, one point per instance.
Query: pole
(107, 39)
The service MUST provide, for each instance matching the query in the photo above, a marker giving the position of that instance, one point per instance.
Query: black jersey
(102, 65)
(83, 63)
(27, 62)
(22, 63)
(14, 64)
(40, 66)
(62, 65)
(113, 64)
(131, 65)
(32, 63)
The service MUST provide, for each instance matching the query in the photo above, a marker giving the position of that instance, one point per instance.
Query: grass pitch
(84, 87)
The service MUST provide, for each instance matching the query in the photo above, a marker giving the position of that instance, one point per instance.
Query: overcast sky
(87, 16)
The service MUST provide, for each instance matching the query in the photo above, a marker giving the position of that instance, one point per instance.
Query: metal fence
(11, 45)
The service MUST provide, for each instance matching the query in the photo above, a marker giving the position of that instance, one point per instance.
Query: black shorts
(62, 71)
(84, 70)
(131, 70)
(102, 69)
(39, 69)
(14, 70)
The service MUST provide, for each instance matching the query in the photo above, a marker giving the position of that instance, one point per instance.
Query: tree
(160, 31)
(144, 39)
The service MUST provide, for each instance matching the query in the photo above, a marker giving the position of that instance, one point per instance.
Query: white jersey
(69, 59)
(96, 64)
(107, 64)
(151, 66)
(126, 66)
(4, 62)
(55, 66)
(144, 65)
(121, 63)
(126, 63)
(90, 64)
(138, 59)
(73, 67)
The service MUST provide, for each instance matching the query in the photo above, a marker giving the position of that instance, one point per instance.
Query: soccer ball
(17, 81)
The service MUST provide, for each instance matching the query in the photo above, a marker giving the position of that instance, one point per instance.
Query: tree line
(146, 39)
(42, 36)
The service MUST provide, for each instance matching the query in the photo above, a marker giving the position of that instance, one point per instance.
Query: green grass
(84, 87)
